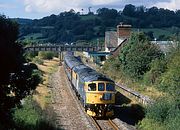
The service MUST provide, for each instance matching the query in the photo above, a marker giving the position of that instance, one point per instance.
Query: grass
(145, 90)
(43, 94)
(157, 31)
(34, 37)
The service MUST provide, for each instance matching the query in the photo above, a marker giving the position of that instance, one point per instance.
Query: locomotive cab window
(92, 87)
(100, 86)
(109, 87)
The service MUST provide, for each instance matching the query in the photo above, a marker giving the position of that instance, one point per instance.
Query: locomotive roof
(79, 67)
(89, 75)
(71, 61)
(86, 73)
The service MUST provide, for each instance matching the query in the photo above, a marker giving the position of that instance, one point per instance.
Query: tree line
(72, 26)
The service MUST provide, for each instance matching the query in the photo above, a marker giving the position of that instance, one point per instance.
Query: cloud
(54, 6)
(173, 5)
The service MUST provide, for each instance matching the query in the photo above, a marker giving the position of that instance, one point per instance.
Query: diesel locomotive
(95, 91)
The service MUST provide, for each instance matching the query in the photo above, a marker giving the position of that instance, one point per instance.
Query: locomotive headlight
(101, 97)
(107, 96)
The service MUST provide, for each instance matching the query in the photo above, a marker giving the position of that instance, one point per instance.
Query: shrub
(163, 114)
(46, 55)
(170, 80)
(158, 66)
(26, 117)
(30, 117)
(38, 60)
(30, 55)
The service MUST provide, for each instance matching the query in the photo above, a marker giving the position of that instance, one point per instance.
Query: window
(92, 87)
(100, 86)
(109, 87)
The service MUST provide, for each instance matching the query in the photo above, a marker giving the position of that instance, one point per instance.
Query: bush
(112, 68)
(26, 117)
(38, 60)
(30, 55)
(164, 114)
(30, 117)
(170, 80)
(159, 111)
(36, 77)
(158, 66)
(46, 55)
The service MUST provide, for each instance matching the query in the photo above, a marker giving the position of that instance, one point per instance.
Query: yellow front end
(100, 98)
(97, 98)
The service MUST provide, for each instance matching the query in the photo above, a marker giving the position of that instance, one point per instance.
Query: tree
(137, 55)
(17, 78)
(129, 10)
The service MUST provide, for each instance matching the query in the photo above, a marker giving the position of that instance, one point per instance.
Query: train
(95, 90)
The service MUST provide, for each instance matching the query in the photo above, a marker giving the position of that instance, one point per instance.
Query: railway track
(104, 124)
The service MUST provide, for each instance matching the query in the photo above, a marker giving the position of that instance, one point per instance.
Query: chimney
(123, 31)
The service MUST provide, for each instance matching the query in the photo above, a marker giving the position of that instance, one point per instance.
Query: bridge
(62, 48)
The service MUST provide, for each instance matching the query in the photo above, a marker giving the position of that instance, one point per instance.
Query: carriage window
(100, 86)
(92, 87)
(109, 87)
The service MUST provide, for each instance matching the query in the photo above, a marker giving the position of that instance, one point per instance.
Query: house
(114, 40)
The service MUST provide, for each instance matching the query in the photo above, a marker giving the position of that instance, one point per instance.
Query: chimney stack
(123, 31)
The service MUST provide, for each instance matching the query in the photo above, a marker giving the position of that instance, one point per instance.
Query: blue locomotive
(95, 91)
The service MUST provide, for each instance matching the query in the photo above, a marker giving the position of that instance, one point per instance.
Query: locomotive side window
(100, 86)
(109, 87)
(92, 87)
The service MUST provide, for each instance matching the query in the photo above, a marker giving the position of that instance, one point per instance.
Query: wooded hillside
(72, 26)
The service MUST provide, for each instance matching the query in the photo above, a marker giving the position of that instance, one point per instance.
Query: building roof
(111, 39)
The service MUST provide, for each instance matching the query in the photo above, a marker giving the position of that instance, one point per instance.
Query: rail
(104, 124)
(145, 100)
(96, 123)
(114, 126)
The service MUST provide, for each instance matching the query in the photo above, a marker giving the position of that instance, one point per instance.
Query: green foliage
(30, 117)
(159, 110)
(112, 68)
(170, 81)
(163, 114)
(158, 66)
(46, 55)
(71, 26)
(30, 55)
(38, 60)
(27, 117)
(36, 77)
(137, 55)
(17, 77)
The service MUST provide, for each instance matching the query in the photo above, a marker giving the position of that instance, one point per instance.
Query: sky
(35, 9)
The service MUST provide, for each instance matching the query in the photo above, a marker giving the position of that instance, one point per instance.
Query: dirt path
(69, 114)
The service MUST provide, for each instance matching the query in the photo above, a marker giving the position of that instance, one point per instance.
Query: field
(33, 37)
(167, 32)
